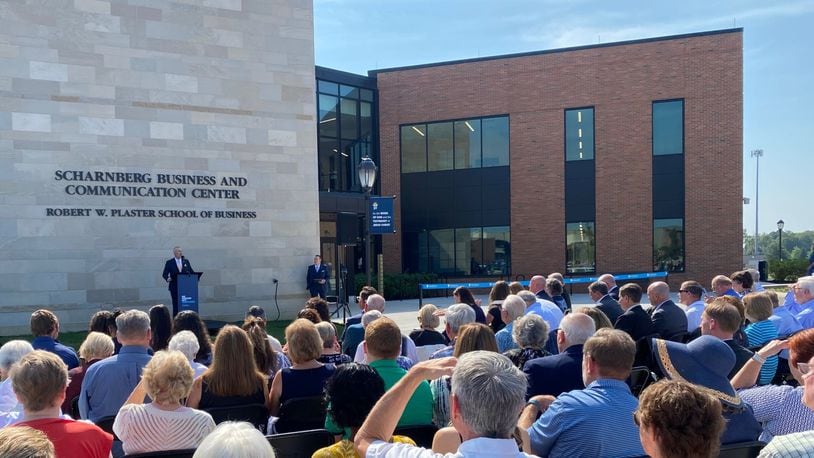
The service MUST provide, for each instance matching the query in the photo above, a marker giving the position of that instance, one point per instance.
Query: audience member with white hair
(96, 347)
(330, 346)
(803, 307)
(562, 372)
(456, 316)
(428, 322)
(481, 381)
(187, 343)
(10, 354)
(163, 424)
(512, 308)
(530, 334)
(235, 440)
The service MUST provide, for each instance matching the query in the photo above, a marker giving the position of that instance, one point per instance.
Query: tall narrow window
(668, 245)
(580, 240)
(668, 127)
(497, 250)
(439, 146)
(414, 148)
(327, 115)
(495, 141)
(579, 134)
(467, 144)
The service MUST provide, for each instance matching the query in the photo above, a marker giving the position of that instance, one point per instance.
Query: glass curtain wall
(345, 129)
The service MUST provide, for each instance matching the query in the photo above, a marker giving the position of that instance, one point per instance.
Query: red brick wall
(620, 82)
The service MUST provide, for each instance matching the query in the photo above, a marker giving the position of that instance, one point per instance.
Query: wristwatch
(535, 403)
(758, 358)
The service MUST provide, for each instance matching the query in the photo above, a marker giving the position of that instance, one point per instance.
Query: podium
(188, 291)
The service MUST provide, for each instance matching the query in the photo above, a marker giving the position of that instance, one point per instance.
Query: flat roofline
(343, 77)
(373, 73)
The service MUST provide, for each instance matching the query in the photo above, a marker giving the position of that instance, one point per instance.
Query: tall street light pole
(757, 154)
(367, 177)
(780, 225)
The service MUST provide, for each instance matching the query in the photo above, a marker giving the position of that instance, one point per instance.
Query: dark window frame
(565, 131)
(683, 248)
(453, 121)
(454, 273)
(683, 126)
(568, 272)
(339, 139)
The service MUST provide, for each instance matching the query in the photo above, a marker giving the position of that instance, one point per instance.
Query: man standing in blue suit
(177, 265)
(317, 278)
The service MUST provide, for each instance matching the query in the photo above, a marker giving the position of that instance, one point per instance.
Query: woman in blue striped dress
(760, 331)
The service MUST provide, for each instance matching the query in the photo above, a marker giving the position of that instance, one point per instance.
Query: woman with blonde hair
(96, 347)
(164, 423)
(306, 377)
(233, 378)
(761, 330)
(428, 322)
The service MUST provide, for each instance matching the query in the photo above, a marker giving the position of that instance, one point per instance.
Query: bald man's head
(537, 284)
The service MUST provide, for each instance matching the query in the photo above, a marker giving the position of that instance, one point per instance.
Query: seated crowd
(530, 374)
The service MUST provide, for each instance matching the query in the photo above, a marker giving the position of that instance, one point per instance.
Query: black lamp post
(367, 177)
(780, 225)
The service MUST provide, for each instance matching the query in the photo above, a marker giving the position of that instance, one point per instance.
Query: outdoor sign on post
(381, 215)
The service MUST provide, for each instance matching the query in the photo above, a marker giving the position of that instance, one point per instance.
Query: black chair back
(106, 424)
(300, 444)
(742, 450)
(422, 435)
(639, 379)
(256, 414)
(301, 414)
(185, 453)
(75, 408)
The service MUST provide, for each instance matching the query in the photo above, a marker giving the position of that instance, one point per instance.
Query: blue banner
(381, 215)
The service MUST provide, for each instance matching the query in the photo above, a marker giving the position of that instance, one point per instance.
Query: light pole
(780, 225)
(757, 154)
(367, 177)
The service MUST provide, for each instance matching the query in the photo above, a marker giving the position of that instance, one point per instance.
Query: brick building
(619, 157)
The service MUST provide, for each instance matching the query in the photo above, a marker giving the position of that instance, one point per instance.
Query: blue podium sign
(188, 291)
(381, 215)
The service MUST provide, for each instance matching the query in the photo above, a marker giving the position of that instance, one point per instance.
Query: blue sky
(361, 35)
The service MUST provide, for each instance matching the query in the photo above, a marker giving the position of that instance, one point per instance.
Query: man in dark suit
(669, 321)
(562, 372)
(178, 264)
(613, 288)
(317, 278)
(599, 293)
(635, 321)
(537, 286)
